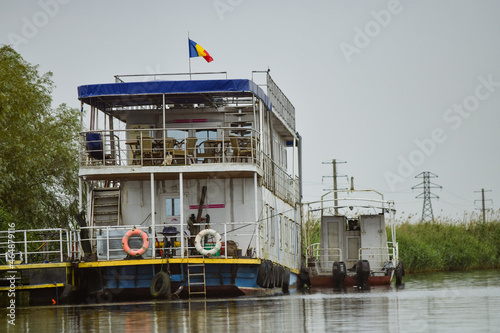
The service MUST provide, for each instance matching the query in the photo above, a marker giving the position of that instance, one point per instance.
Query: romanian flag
(195, 50)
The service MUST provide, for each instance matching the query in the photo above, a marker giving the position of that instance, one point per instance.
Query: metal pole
(164, 130)
(256, 213)
(181, 193)
(80, 195)
(25, 247)
(61, 245)
(112, 139)
(107, 243)
(308, 224)
(335, 202)
(484, 214)
(153, 224)
(261, 131)
(189, 56)
(483, 203)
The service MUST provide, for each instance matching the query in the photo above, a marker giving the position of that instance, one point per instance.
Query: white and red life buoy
(142, 249)
(203, 233)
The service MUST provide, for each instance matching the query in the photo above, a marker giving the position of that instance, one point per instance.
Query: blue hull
(123, 282)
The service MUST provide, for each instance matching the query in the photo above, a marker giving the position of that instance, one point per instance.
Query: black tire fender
(160, 284)
(400, 272)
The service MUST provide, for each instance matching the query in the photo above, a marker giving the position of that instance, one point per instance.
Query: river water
(438, 302)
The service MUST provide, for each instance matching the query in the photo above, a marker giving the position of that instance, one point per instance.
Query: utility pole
(426, 185)
(483, 201)
(334, 162)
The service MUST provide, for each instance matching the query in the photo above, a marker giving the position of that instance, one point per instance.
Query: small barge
(353, 248)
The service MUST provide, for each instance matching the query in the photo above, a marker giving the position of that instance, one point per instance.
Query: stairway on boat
(106, 206)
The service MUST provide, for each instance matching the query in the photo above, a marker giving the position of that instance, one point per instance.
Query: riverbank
(448, 245)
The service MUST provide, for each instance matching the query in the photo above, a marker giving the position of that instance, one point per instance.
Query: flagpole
(189, 55)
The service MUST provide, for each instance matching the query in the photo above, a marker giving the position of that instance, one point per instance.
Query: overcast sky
(393, 88)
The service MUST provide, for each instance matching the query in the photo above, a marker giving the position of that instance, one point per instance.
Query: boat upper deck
(117, 98)
(222, 127)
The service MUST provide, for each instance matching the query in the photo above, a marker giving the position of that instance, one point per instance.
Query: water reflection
(433, 302)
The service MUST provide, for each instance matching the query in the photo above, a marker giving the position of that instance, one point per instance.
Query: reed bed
(450, 245)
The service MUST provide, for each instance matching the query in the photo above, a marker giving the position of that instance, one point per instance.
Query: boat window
(172, 206)
(353, 224)
(177, 134)
(205, 134)
(352, 248)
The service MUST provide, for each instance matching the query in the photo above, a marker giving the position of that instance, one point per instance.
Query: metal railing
(324, 262)
(324, 257)
(376, 255)
(106, 241)
(281, 104)
(154, 76)
(37, 245)
(165, 147)
(170, 147)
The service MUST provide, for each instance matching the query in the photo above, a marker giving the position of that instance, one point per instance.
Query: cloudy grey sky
(392, 87)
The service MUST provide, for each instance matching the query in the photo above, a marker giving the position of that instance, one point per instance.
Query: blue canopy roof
(109, 95)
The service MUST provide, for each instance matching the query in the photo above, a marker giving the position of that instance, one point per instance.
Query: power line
(426, 185)
(457, 196)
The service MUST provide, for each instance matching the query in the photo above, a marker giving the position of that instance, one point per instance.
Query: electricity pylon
(426, 185)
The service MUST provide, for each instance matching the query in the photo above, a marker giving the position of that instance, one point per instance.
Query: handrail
(320, 254)
(156, 136)
(104, 234)
(34, 240)
(136, 154)
(154, 75)
(323, 257)
(68, 244)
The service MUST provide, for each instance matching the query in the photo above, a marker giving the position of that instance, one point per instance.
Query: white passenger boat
(187, 186)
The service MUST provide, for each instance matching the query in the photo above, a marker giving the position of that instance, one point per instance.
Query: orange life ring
(145, 242)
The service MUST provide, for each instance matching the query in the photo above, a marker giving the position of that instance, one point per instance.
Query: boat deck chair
(238, 151)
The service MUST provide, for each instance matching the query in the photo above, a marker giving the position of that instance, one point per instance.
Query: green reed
(449, 245)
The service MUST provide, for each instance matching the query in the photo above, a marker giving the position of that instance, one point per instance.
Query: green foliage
(311, 233)
(448, 245)
(38, 148)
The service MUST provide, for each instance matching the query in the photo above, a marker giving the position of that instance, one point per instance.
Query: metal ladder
(106, 206)
(194, 271)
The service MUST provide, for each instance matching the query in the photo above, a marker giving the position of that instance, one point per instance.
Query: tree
(38, 148)
(311, 233)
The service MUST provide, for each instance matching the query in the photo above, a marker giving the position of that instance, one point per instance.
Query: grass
(448, 245)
